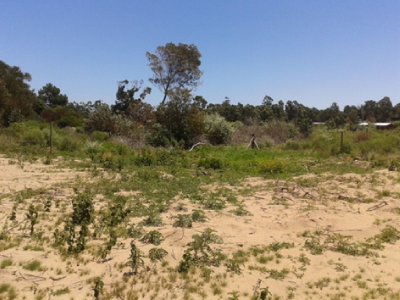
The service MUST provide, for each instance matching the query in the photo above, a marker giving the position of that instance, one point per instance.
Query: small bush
(5, 263)
(153, 237)
(154, 219)
(157, 254)
(218, 130)
(184, 221)
(198, 216)
(34, 265)
(33, 137)
(6, 288)
(68, 144)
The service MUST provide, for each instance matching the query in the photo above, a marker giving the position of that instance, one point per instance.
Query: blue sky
(312, 51)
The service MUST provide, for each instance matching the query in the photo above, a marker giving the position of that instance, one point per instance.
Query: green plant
(32, 216)
(198, 216)
(153, 237)
(184, 221)
(34, 265)
(154, 219)
(5, 263)
(210, 163)
(76, 228)
(10, 290)
(135, 258)
(199, 252)
(156, 254)
(98, 288)
(218, 130)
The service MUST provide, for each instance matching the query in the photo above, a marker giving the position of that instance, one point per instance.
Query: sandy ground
(350, 205)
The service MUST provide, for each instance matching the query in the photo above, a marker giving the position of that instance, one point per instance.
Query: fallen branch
(377, 206)
(57, 278)
(196, 145)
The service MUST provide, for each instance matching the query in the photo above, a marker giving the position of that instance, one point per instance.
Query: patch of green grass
(33, 265)
(6, 263)
(9, 290)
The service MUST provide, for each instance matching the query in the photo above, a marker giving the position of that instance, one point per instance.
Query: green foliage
(16, 98)
(175, 67)
(184, 221)
(210, 163)
(34, 265)
(5, 263)
(317, 242)
(76, 229)
(157, 254)
(6, 288)
(198, 216)
(98, 288)
(135, 258)
(217, 129)
(272, 167)
(51, 96)
(154, 219)
(199, 252)
(32, 216)
(181, 119)
(34, 137)
(153, 237)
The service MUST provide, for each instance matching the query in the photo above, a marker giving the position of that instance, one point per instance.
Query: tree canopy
(16, 98)
(175, 67)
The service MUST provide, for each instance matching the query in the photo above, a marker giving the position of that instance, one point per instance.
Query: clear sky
(312, 51)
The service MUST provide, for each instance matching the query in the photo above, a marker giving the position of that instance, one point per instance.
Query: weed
(198, 216)
(6, 263)
(157, 254)
(98, 288)
(32, 216)
(135, 258)
(154, 219)
(199, 253)
(184, 221)
(7, 288)
(153, 237)
(34, 265)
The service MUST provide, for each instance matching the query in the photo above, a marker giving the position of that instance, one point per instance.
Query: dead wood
(377, 206)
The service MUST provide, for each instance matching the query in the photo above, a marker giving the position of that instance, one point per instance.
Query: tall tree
(51, 96)
(16, 98)
(181, 117)
(175, 67)
(131, 106)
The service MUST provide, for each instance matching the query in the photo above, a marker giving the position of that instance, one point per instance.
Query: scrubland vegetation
(101, 202)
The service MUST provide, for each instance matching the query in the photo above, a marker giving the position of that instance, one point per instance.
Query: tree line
(181, 117)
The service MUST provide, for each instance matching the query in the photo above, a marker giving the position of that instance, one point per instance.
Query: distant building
(378, 125)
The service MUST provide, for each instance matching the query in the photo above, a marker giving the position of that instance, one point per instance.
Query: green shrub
(153, 237)
(68, 144)
(198, 216)
(156, 254)
(34, 265)
(5, 263)
(184, 221)
(33, 137)
(218, 130)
